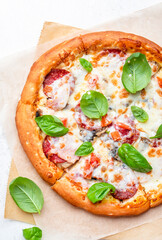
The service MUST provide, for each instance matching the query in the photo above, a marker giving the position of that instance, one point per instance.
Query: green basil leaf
(139, 114)
(86, 64)
(51, 125)
(26, 194)
(99, 190)
(33, 233)
(85, 149)
(94, 104)
(134, 159)
(158, 133)
(136, 73)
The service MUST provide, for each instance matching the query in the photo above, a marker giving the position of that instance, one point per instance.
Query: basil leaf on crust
(51, 125)
(94, 104)
(99, 190)
(85, 149)
(136, 73)
(134, 159)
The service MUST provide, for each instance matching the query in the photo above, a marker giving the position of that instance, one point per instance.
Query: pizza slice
(98, 167)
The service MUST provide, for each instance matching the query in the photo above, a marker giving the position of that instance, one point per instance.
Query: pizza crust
(155, 196)
(110, 206)
(32, 143)
(124, 41)
(29, 133)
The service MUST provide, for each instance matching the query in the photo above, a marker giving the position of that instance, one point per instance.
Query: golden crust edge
(109, 208)
(124, 41)
(28, 132)
(155, 196)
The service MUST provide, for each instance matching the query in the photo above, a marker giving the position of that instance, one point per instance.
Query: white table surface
(20, 24)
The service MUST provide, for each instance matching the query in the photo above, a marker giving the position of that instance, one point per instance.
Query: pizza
(90, 121)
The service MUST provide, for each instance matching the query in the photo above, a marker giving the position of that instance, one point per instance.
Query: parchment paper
(58, 219)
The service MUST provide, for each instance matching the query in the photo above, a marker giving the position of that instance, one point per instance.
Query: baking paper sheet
(59, 219)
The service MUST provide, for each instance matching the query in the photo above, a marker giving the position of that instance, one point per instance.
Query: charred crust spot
(49, 175)
(83, 198)
(38, 113)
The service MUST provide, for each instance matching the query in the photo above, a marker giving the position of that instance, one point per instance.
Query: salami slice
(123, 130)
(58, 86)
(119, 175)
(90, 124)
(61, 149)
(123, 195)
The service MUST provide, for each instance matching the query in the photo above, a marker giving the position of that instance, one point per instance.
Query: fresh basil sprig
(51, 125)
(99, 190)
(136, 73)
(158, 133)
(33, 233)
(86, 64)
(84, 149)
(139, 114)
(94, 104)
(26, 194)
(134, 159)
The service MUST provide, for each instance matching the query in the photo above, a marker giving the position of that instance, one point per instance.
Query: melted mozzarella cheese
(113, 172)
(106, 78)
(65, 147)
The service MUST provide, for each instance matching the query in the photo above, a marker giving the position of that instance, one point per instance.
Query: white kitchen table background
(21, 22)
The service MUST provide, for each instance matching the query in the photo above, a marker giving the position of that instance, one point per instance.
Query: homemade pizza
(90, 121)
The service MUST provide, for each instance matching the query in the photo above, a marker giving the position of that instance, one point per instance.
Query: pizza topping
(91, 163)
(94, 104)
(58, 86)
(111, 51)
(115, 136)
(100, 167)
(115, 51)
(85, 149)
(90, 124)
(96, 122)
(159, 81)
(86, 135)
(99, 190)
(154, 67)
(38, 113)
(119, 175)
(139, 114)
(158, 133)
(122, 130)
(123, 195)
(92, 81)
(61, 149)
(86, 64)
(136, 73)
(156, 143)
(127, 130)
(134, 159)
(51, 125)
